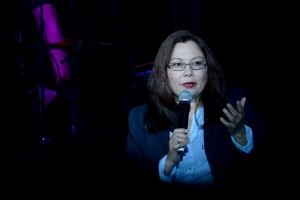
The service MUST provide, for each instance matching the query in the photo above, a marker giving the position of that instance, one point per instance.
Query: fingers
(230, 112)
(226, 123)
(243, 101)
(240, 105)
(178, 139)
(233, 113)
(235, 116)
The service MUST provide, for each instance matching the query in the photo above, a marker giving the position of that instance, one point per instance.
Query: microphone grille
(185, 96)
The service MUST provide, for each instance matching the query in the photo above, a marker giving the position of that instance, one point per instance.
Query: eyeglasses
(194, 65)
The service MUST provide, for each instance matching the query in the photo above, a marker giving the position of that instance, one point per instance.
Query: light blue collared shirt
(194, 167)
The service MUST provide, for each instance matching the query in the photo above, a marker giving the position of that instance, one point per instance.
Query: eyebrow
(191, 59)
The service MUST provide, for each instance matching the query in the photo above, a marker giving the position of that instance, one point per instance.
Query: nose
(188, 70)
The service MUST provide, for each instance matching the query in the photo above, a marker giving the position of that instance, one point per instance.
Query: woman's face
(193, 80)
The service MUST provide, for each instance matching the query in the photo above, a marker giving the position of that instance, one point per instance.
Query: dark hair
(162, 112)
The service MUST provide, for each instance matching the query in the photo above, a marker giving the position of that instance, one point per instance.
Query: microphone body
(185, 99)
(183, 114)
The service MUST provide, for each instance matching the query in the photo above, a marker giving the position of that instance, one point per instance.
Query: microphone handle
(184, 109)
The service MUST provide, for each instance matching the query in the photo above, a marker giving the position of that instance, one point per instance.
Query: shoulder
(139, 108)
(136, 118)
(138, 111)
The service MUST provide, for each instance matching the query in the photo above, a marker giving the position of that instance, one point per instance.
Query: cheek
(202, 79)
(204, 76)
(172, 78)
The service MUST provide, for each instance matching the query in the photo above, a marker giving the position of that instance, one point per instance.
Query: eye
(179, 64)
(196, 63)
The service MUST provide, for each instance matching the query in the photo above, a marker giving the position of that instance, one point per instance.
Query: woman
(219, 132)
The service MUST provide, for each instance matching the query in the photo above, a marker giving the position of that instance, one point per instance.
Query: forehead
(186, 50)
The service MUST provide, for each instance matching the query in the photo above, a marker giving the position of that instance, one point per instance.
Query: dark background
(114, 44)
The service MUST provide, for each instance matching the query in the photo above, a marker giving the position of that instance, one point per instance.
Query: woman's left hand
(235, 122)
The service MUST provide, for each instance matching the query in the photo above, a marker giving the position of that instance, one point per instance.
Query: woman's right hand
(179, 139)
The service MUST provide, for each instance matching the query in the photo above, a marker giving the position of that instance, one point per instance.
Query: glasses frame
(170, 66)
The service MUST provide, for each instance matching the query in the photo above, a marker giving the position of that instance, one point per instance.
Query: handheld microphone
(185, 98)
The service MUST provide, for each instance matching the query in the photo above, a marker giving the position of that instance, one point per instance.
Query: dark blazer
(144, 149)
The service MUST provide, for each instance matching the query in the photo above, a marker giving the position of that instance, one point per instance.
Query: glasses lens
(198, 64)
(177, 66)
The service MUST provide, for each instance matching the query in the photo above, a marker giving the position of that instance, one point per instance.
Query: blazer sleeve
(134, 152)
(139, 169)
